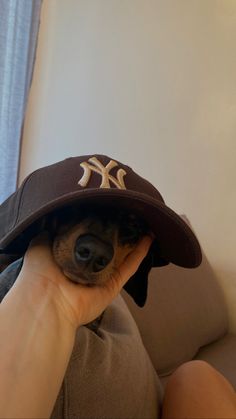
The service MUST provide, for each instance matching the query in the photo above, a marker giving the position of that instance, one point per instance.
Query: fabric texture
(8, 277)
(110, 375)
(19, 22)
(101, 180)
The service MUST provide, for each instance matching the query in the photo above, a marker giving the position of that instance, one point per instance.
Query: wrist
(41, 341)
(41, 300)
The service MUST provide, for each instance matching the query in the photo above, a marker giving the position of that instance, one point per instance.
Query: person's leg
(197, 390)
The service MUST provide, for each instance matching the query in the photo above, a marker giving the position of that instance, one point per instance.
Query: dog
(89, 243)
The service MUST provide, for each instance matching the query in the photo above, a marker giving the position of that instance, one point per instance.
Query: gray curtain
(19, 23)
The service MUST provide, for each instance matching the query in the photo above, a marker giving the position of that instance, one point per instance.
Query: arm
(38, 322)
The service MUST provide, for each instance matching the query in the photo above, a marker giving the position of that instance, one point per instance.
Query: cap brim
(177, 241)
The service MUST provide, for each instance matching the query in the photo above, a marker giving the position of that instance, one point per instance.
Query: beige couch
(185, 318)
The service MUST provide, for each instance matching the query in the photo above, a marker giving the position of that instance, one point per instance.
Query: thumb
(134, 259)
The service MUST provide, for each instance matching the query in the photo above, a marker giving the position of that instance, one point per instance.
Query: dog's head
(89, 244)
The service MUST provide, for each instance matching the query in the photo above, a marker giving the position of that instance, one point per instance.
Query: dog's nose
(93, 253)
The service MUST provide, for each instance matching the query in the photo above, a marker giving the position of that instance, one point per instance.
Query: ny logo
(97, 167)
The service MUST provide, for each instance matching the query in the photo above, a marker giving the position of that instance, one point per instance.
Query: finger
(39, 250)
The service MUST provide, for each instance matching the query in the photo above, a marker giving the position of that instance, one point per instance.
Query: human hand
(38, 321)
(77, 303)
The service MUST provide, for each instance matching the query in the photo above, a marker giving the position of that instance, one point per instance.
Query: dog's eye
(132, 229)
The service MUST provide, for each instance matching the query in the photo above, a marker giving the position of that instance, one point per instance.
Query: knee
(198, 388)
(199, 374)
(193, 371)
(195, 366)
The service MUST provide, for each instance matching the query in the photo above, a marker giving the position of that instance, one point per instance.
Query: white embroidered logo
(97, 167)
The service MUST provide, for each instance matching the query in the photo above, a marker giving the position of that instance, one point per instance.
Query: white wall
(152, 83)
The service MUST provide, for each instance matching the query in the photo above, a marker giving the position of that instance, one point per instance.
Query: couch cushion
(110, 374)
(185, 310)
(221, 355)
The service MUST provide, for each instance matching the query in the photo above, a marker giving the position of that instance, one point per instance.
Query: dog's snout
(93, 253)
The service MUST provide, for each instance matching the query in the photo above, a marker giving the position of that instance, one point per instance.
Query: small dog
(88, 243)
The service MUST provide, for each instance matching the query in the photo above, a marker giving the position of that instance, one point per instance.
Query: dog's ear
(137, 285)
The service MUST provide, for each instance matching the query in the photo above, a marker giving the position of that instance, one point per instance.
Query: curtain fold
(19, 24)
